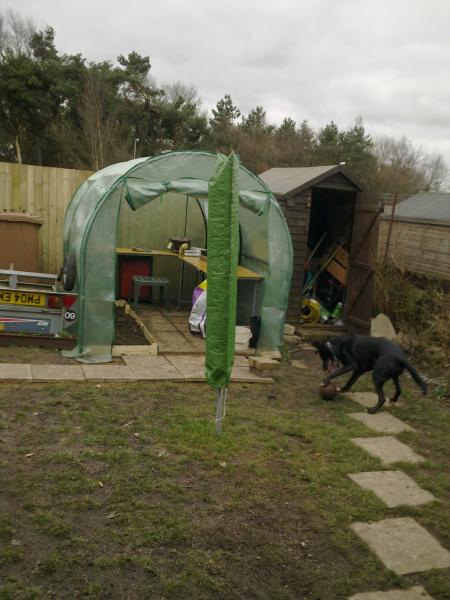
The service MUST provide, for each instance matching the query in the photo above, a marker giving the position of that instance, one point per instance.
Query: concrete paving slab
(173, 342)
(369, 399)
(298, 364)
(196, 343)
(137, 350)
(159, 325)
(388, 449)
(182, 326)
(156, 368)
(415, 593)
(173, 348)
(394, 488)
(381, 422)
(366, 399)
(307, 348)
(275, 354)
(109, 372)
(241, 361)
(57, 373)
(244, 375)
(171, 337)
(14, 371)
(192, 368)
(176, 359)
(403, 545)
(262, 363)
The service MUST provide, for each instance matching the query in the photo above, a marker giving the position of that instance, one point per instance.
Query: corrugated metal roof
(426, 205)
(287, 181)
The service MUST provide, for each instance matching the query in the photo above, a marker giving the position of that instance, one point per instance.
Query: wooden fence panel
(44, 192)
(419, 247)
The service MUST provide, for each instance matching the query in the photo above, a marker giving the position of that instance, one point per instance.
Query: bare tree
(16, 33)
(403, 167)
(178, 90)
(436, 173)
(100, 124)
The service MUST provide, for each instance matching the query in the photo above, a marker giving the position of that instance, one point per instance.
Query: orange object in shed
(338, 267)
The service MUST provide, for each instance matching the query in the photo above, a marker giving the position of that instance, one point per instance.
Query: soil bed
(128, 332)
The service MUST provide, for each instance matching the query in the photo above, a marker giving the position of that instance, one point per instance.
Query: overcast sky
(385, 60)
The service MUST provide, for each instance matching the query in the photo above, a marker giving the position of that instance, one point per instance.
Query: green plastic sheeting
(223, 247)
(139, 193)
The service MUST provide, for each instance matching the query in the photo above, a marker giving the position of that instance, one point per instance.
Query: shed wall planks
(296, 211)
(44, 192)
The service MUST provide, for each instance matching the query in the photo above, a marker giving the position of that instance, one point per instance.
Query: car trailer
(34, 306)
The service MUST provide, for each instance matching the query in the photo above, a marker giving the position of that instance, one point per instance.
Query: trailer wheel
(69, 272)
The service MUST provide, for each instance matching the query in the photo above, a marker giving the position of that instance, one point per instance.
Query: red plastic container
(134, 266)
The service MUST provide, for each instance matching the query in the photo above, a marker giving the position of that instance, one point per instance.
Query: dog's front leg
(340, 371)
(355, 376)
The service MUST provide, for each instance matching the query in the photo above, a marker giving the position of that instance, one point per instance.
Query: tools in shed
(325, 281)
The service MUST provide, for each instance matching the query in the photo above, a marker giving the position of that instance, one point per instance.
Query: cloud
(386, 60)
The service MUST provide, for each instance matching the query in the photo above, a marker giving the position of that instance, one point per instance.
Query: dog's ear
(318, 346)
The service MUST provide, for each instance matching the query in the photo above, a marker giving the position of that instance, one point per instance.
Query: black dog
(361, 353)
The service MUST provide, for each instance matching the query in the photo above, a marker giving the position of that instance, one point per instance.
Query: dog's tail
(415, 375)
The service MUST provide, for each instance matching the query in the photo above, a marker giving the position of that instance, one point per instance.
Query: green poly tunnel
(144, 202)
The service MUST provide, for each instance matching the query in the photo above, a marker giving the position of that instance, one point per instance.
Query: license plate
(22, 297)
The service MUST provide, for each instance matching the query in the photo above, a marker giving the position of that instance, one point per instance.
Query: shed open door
(363, 256)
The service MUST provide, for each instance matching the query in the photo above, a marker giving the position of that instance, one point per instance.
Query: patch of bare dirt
(128, 332)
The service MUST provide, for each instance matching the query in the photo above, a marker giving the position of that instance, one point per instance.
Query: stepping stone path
(388, 449)
(369, 399)
(403, 546)
(394, 488)
(382, 422)
(415, 593)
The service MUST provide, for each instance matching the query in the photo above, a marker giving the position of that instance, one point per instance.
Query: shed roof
(426, 205)
(287, 181)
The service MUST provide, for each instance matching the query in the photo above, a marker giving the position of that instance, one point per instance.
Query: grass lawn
(124, 491)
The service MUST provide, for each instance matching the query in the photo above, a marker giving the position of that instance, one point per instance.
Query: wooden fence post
(391, 222)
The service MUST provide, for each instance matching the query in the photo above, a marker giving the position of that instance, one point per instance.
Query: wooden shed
(325, 209)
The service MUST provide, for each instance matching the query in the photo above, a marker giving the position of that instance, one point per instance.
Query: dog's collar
(330, 348)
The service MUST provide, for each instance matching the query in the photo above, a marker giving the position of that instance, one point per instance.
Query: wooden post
(391, 222)
(220, 408)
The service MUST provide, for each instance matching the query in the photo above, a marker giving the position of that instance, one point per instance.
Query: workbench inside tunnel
(187, 273)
